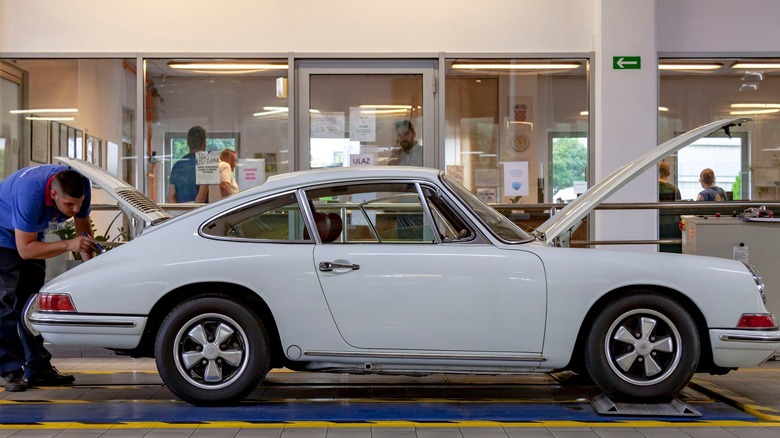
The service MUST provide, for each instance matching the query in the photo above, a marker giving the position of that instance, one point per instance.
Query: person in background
(666, 190)
(182, 187)
(33, 200)
(668, 224)
(227, 182)
(410, 153)
(711, 192)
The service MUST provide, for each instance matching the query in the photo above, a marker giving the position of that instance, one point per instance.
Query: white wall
(274, 26)
(719, 26)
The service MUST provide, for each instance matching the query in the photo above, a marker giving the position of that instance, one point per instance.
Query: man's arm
(29, 247)
(84, 225)
(203, 193)
(172, 194)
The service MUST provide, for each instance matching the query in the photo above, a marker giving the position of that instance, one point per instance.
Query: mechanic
(33, 200)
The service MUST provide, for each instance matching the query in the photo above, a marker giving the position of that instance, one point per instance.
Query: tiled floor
(134, 384)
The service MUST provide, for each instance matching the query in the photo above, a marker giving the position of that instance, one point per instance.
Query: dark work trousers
(19, 280)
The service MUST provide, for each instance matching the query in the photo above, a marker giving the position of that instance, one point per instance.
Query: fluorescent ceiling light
(383, 111)
(663, 108)
(405, 107)
(45, 111)
(755, 65)
(528, 66)
(689, 66)
(472, 153)
(270, 110)
(231, 65)
(55, 119)
(754, 112)
(755, 105)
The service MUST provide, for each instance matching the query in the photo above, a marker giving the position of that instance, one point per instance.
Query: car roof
(319, 176)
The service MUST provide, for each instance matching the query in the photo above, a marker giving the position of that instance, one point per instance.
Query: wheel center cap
(644, 347)
(210, 352)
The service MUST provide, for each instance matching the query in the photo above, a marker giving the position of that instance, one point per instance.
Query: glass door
(11, 145)
(366, 113)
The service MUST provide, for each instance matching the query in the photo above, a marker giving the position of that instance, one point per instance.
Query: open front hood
(142, 210)
(570, 216)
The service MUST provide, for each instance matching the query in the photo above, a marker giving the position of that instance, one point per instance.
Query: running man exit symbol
(626, 62)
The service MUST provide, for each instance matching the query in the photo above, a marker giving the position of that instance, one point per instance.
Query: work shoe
(49, 377)
(14, 382)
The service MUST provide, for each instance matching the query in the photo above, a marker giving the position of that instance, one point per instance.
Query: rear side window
(277, 219)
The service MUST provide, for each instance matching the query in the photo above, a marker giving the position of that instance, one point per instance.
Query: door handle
(329, 266)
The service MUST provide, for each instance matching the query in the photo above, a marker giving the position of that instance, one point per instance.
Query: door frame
(304, 69)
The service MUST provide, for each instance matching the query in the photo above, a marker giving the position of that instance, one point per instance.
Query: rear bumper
(107, 331)
(733, 348)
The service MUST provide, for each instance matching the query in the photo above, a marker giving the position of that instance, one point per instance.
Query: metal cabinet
(731, 238)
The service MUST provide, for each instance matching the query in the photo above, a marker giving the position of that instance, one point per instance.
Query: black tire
(644, 347)
(212, 351)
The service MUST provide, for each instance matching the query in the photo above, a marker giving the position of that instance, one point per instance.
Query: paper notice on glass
(361, 160)
(362, 125)
(250, 172)
(741, 253)
(486, 177)
(207, 167)
(516, 178)
(487, 196)
(327, 125)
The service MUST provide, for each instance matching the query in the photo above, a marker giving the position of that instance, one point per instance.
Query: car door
(424, 278)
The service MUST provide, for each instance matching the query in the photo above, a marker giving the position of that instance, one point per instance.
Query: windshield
(501, 227)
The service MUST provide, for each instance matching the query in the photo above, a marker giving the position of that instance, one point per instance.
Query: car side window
(375, 212)
(450, 226)
(277, 219)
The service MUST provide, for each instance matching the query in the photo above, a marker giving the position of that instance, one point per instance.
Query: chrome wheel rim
(211, 351)
(643, 347)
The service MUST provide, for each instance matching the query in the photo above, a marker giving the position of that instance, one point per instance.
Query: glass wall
(517, 129)
(698, 91)
(241, 104)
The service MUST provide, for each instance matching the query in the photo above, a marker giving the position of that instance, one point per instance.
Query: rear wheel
(212, 350)
(643, 346)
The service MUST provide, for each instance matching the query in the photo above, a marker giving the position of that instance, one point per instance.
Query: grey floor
(754, 390)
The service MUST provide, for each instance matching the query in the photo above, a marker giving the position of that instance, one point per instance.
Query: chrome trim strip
(751, 337)
(80, 321)
(449, 356)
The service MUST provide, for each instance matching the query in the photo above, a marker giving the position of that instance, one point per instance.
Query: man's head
(707, 178)
(405, 134)
(228, 156)
(67, 192)
(196, 139)
(663, 170)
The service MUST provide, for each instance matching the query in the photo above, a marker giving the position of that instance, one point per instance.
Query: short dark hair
(404, 124)
(70, 183)
(196, 137)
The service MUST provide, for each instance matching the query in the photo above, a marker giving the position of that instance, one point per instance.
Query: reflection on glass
(353, 120)
(503, 111)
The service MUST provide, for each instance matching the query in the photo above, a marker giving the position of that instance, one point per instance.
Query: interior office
(132, 105)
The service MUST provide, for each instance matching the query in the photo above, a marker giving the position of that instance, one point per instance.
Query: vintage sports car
(401, 270)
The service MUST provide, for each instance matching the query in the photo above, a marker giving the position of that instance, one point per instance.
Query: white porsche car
(401, 270)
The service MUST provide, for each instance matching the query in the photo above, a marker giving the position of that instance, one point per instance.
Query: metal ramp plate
(675, 408)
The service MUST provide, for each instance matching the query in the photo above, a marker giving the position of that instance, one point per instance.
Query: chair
(329, 226)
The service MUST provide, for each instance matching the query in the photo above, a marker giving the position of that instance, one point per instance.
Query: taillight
(757, 320)
(55, 303)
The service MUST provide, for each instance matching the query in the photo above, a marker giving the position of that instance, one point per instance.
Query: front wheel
(644, 346)
(212, 350)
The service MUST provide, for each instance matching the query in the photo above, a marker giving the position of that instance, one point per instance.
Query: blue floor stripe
(333, 411)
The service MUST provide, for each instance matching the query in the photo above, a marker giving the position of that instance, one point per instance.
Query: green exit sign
(626, 62)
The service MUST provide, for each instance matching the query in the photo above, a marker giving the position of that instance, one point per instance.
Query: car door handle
(329, 266)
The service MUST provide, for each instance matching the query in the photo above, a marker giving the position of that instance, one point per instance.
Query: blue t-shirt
(23, 202)
(713, 193)
(183, 178)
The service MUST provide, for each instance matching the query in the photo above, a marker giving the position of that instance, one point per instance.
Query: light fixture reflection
(754, 112)
(755, 65)
(45, 111)
(528, 66)
(755, 105)
(54, 119)
(691, 66)
(230, 65)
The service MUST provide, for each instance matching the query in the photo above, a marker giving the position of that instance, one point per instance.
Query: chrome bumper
(767, 337)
